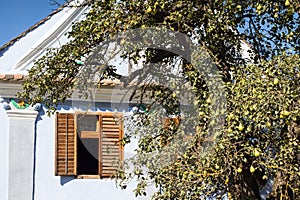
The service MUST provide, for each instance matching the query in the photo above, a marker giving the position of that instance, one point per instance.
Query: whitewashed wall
(3, 153)
(47, 186)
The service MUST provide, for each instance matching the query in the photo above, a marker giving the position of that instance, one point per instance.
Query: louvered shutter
(65, 146)
(111, 148)
(175, 121)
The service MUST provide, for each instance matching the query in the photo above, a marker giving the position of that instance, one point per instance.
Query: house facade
(69, 155)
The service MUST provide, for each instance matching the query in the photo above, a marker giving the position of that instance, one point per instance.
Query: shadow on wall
(41, 113)
(65, 179)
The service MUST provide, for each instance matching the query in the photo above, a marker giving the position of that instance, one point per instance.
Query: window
(172, 124)
(88, 144)
(169, 122)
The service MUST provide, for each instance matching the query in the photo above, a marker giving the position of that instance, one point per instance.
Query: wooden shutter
(111, 151)
(65, 145)
(175, 121)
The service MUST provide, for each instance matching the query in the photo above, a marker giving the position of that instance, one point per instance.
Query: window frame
(118, 131)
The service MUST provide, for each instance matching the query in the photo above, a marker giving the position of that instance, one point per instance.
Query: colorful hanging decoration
(21, 104)
(143, 109)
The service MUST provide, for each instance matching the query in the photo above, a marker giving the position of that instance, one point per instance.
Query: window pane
(87, 122)
(87, 156)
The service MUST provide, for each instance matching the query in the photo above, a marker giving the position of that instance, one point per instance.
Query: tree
(258, 144)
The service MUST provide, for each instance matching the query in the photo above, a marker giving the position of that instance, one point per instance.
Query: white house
(69, 155)
(43, 157)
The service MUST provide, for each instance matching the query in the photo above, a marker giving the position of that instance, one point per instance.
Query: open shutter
(168, 121)
(65, 145)
(111, 150)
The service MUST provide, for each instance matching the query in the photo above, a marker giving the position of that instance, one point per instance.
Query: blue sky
(16, 16)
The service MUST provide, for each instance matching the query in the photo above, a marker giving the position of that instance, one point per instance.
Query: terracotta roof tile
(12, 77)
(110, 82)
(18, 76)
(9, 76)
(21, 78)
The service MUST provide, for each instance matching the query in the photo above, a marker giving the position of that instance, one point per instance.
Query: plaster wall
(48, 186)
(3, 154)
(21, 153)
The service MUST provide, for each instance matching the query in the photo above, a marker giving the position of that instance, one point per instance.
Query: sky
(16, 16)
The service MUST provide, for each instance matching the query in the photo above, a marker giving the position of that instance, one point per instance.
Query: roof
(12, 77)
(20, 78)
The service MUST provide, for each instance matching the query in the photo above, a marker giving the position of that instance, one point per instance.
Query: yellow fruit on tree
(149, 10)
(122, 42)
(136, 172)
(256, 153)
(252, 169)
(265, 177)
(286, 113)
(229, 130)
(230, 116)
(229, 195)
(201, 113)
(281, 116)
(259, 7)
(287, 3)
(227, 180)
(276, 81)
(241, 127)
(239, 170)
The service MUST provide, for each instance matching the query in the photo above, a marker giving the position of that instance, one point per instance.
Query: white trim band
(26, 114)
